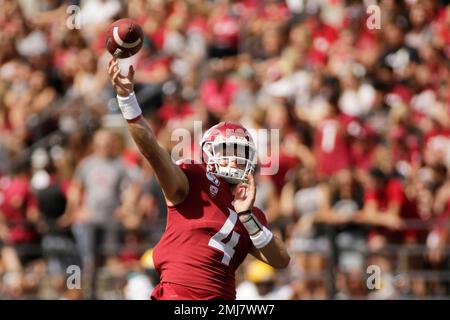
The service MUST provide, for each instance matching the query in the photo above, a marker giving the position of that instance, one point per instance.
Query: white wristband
(129, 106)
(262, 239)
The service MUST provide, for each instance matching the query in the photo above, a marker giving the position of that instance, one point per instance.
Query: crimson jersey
(204, 241)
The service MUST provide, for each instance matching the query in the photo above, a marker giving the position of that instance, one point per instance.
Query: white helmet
(231, 142)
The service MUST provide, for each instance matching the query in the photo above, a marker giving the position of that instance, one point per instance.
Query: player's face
(104, 144)
(234, 163)
(232, 154)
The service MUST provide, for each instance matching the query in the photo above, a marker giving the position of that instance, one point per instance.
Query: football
(124, 38)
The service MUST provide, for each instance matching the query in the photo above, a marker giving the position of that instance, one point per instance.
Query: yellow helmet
(258, 271)
(147, 259)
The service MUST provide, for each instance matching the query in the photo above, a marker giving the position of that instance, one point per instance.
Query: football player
(211, 222)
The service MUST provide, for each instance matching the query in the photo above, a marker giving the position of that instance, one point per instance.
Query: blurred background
(364, 119)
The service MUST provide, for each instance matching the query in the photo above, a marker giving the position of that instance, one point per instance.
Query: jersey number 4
(227, 248)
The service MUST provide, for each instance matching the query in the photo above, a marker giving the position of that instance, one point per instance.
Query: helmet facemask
(222, 154)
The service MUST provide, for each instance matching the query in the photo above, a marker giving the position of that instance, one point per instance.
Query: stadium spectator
(94, 198)
(20, 218)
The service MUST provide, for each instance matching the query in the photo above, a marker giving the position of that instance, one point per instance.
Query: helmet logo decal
(211, 177)
(213, 190)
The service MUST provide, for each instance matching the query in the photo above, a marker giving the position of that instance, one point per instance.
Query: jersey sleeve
(192, 171)
(193, 174)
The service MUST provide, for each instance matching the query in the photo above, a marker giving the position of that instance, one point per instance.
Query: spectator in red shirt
(331, 146)
(224, 32)
(19, 216)
(383, 201)
(217, 92)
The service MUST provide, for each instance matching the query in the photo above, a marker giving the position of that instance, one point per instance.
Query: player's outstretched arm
(171, 178)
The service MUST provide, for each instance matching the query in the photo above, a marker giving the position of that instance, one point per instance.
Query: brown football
(124, 38)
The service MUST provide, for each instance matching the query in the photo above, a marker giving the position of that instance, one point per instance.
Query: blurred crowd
(361, 197)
